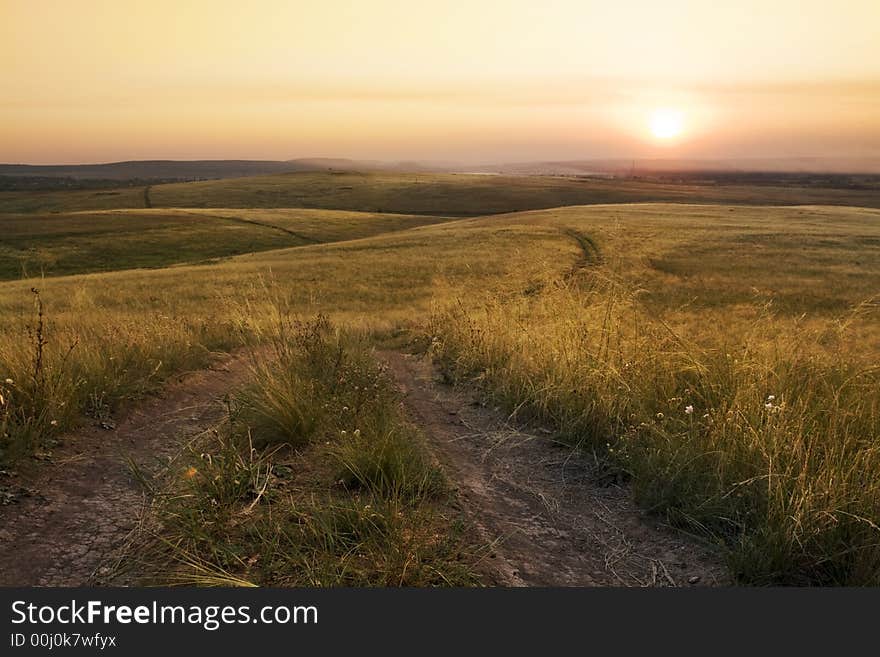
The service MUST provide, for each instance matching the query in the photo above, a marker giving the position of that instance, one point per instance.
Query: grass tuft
(347, 498)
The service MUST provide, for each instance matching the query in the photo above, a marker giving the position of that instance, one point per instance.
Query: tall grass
(111, 337)
(52, 376)
(765, 438)
(315, 479)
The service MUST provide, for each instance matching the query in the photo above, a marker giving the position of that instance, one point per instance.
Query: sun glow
(666, 123)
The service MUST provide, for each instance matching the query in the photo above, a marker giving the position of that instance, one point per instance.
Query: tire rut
(79, 508)
(540, 506)
(307, 241)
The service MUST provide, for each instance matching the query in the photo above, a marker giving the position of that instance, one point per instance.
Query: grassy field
(469, 195)
(58, 244)
(105, 338)
(690, 259)
(71, 201)
(723, 357)
(433, 194)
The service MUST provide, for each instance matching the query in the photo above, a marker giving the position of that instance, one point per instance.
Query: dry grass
(709, 307)
(349, 499)
(759, 432)
(112, 337)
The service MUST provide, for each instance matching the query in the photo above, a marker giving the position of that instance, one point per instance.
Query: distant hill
(620, 166)
(155, 171)
(28, 176)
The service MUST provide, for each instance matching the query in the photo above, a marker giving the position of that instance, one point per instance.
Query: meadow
(737, 387)
(463, 195)
(60, 244)
(718, 348)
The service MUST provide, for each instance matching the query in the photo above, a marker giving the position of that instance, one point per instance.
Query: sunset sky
(471, 81)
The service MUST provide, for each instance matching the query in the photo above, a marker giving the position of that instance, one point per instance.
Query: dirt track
(536, 503)
(539, 503)
(66, 518)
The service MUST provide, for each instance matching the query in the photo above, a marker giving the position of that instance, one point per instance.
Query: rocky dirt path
(540, 505)
(63, 520)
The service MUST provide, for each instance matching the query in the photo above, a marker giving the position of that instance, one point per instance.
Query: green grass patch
(61, 244)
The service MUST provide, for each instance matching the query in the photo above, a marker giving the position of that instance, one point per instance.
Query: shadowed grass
(424, 193)
(61, 244)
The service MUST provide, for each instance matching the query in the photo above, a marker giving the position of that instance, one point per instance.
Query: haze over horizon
(458, 81)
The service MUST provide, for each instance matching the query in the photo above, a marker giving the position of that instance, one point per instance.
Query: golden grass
(711, 307)
(112, 336)
(349, 497)
(751, 422)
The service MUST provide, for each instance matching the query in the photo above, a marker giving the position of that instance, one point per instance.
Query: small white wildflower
(10, 381)
(357, 432)
(689, 409)
(54, 423)
(768, 406)
(659, 416)
(771, 398)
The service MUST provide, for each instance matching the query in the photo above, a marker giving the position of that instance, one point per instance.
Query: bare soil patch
(63, 519)
(550, 519)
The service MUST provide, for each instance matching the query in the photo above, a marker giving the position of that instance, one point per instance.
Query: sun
(666, 123)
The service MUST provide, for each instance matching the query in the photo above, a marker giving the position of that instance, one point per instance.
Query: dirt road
(539, 503)
(64, 519)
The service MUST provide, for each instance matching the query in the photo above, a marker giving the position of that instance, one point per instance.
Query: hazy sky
(89, 81)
